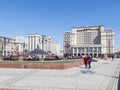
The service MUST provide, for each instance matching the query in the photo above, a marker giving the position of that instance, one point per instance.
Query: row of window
(88, 49)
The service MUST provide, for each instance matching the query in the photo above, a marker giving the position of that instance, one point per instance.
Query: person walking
(113, 57)
(86, 60)
(89, 61)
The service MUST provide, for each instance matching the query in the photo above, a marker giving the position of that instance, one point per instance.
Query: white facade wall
(67, 41)
(11, 46)
(34, 41)
(19, 45)
(43, 42)
(103, 42)
(91, 40)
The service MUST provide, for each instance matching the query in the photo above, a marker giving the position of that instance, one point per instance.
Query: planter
(41, 65)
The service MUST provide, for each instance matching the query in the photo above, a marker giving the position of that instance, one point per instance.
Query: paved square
(102, 76)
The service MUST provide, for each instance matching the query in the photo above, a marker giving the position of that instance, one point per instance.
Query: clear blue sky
(54, 17)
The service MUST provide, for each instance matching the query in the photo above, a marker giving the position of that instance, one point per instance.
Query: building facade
(67, 42)
(34, 41)
(9, 46)
(20, 44)
(94, 40)
(43, 42)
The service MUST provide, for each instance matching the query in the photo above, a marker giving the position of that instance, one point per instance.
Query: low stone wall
(11, 65)
(41, 65)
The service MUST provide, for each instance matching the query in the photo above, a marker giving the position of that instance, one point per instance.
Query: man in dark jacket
(89, 61)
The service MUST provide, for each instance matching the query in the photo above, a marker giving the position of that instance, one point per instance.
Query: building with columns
(94, 40)
(43, 42)
(20, 45)
(34, 41)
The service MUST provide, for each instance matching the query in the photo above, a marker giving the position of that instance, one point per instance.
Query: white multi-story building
(10, 46)
(6, 46)
(20, 44)
(93, 40)
(43, 42)
(67, 41)
(34, 41)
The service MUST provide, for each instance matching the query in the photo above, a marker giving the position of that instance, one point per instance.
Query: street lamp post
(4, 46)
(67, 46)
(42, 47)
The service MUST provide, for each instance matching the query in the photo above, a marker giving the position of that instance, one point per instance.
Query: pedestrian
(89, 61)
(85, 60)
(112, 57)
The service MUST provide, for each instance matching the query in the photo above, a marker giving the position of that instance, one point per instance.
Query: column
(36, 42)
(40, 42)
(97, 51)
(73, 51)
(33, 44)
(93, 51)
(77, 51)
(29, 43)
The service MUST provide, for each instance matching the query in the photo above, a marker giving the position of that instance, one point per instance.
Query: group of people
(87, 61)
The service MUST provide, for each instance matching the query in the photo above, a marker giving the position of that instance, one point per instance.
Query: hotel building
(94, 40)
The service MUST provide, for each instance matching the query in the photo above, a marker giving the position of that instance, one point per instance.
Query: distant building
(67, 42)
(20, 44)
(117, 54)
(43, 42)
(6, 46)
(93, 40)
(9, 46)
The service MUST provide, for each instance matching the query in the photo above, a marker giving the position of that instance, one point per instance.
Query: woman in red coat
(86, 60)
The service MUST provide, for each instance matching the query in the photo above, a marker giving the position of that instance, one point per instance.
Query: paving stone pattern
(103, 75)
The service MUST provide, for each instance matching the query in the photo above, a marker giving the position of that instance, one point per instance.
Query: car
(52, 57)
(11, 57)
(74, 57)
(69, 57)
(30, 58)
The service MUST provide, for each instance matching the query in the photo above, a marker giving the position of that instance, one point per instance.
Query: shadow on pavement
(87, 71)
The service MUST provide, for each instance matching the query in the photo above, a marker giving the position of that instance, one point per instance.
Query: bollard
(25, 66)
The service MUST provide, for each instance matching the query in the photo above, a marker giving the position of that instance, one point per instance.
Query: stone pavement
(104, 75)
